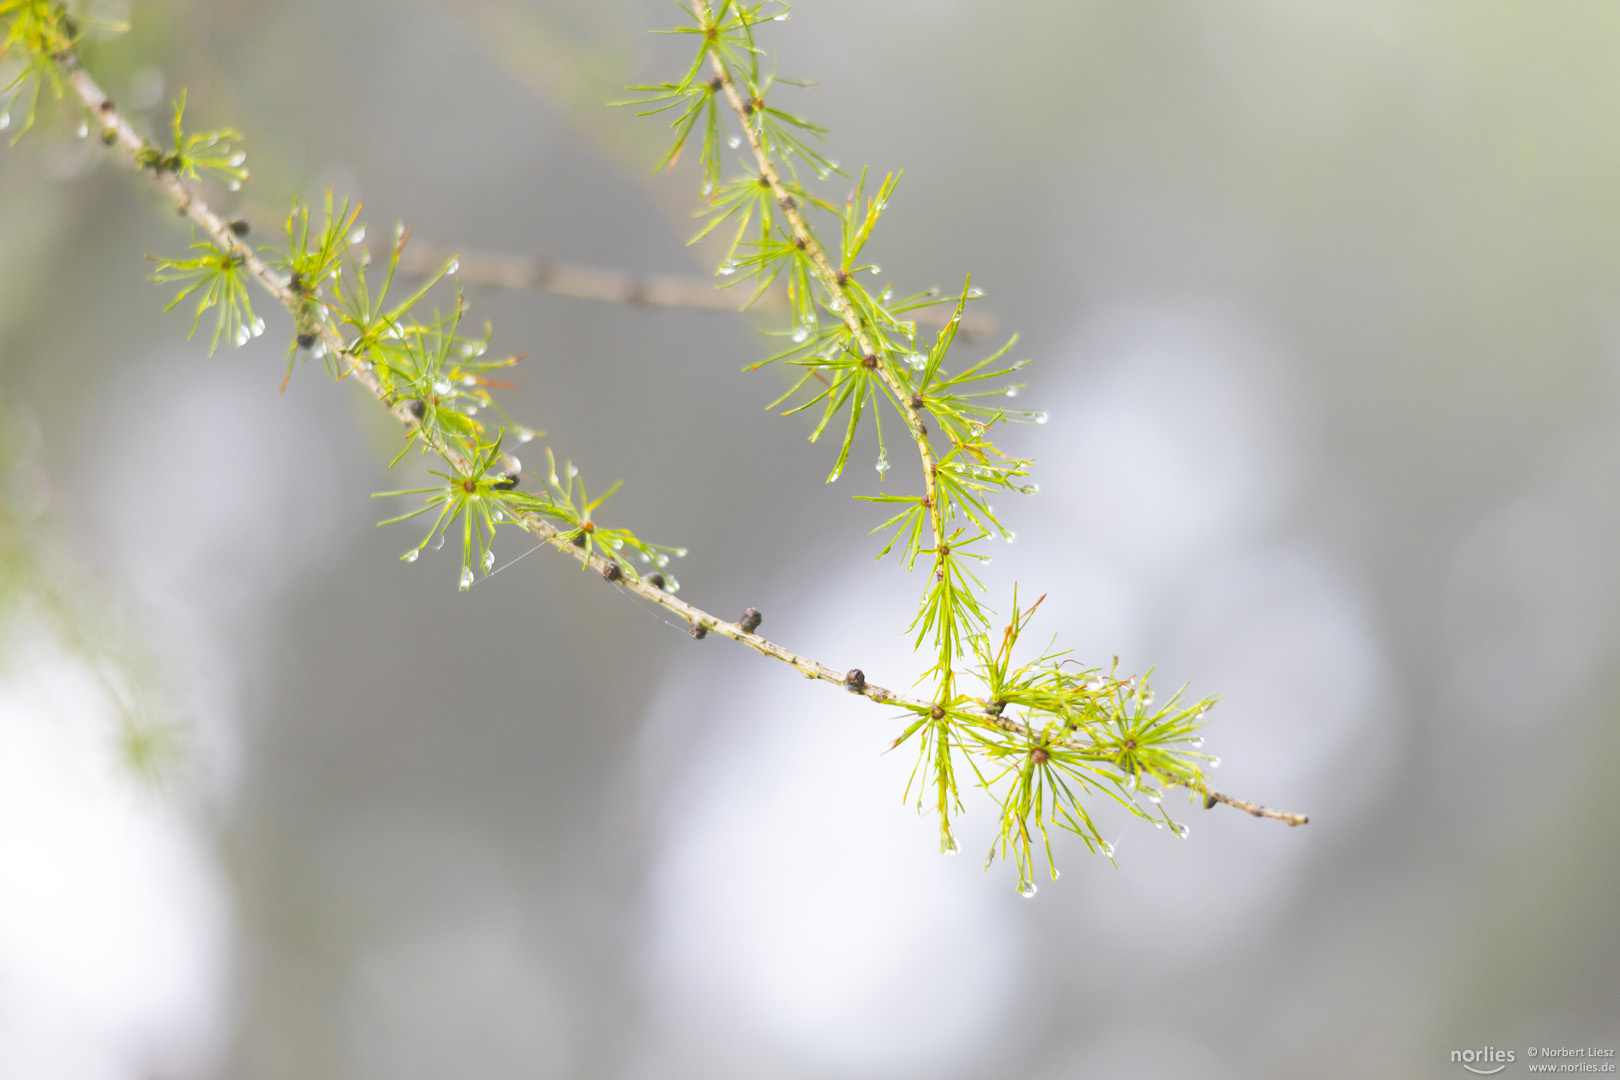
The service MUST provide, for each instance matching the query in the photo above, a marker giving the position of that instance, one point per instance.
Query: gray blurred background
(1322, 299)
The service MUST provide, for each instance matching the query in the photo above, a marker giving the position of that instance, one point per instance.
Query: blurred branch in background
(616, 286)
(45, 599)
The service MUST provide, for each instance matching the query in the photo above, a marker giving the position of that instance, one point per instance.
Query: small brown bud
(589, 526)
(715, 83)
(1209, 801)
(916, 401)
(937, 712)
(751, 618)
(612, 572)
(295, 282)
(855, 680)
(1039, 756)
(578, 539)
(106, 105)
(764, 181)
(470, 486)
(787, 203)
(239, 226)
(416, 407)
(655, 579)
(995, 707)
(841, 277)
(869, 361)
(698, 630)
(307, 339)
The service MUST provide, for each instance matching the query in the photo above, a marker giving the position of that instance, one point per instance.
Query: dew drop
(513, 464)
(1012, 391)
(779, 18)
(83, 130)
(833, 479)
(499, 515)
(235, 185)
(1214, 763)
(1107, 849)
(734, 142)
(917, 360)
(951, 847)
(442, 386)
(489, 559)
(726, 269)
(1158, 825)
(1153, 797)
(358, 236)
(1180, 830)
(883, 462)
(708, 189)
(1011, 536)
(453, 267)
(257, 327)
(524, 435)
(1197, 742)
(875, 269)
(466, 578)
(1027, 890)
(242, 336)
(680, 553)
(469, 380)
(1040, 418)
(801, 333)
(410, 556)
(5, 120)
(439, 543)
(573, 470)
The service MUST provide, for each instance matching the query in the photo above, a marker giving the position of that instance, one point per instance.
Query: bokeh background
(1323, 301)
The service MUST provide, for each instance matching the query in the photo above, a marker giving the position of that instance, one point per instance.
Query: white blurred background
(1323, 305)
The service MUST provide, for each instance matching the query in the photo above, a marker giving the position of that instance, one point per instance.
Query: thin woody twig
(189, 202)
(499, 271)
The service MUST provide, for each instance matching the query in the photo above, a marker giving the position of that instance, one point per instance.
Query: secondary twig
(617, 287)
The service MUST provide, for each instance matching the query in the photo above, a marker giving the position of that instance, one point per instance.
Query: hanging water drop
(358, 236)
(83, 130)
(1040, 418)
(1214, 763)
(453, 267)
(489, 559)
(466, 578)
(524, 435)
(1107, 849)
(801, 333)
(734, 142)
(5, 119)
(1027, 890)
(883, 462)
(917, 360)
(242, 336)
(442, 386)
(410, 556)
(726, 269)
(1012, 391)
(438, 544)
(680, 553)
(1180, 830)
(257, 326)
(875, 269)
(1198, 740)
(951, 847)
(235, 185)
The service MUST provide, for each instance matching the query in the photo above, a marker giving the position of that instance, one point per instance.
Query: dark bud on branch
(869, 361)
(937, 712)
(239, 226)
(1039, 756)
(612, 572)
(855, 680)
(1209, 801)
(307, 340)
(715, 83)
(416, 407)
(698, 630)
(750, 620)
(655, 579)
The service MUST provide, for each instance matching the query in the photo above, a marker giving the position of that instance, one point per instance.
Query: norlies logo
(1485, 1061)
